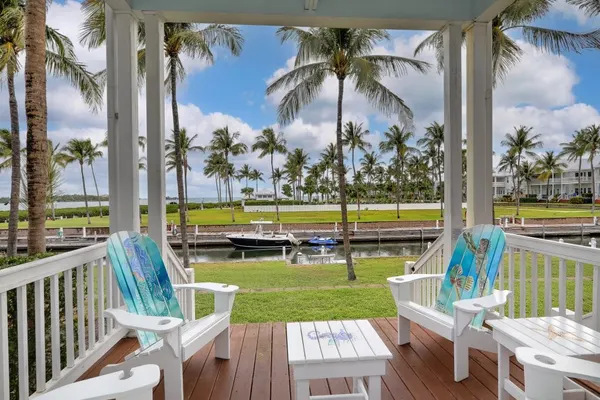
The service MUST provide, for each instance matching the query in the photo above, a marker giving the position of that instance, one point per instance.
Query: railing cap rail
(568, 251)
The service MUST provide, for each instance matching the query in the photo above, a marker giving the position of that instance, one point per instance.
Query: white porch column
(479, 125)
(155, 121)
(127, 176)
(111, 108)
(453, 224)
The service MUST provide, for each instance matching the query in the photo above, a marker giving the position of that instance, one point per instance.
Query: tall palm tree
(592, 136)
(277, 177)
(227, 143)
(575, 150)
(508, 163)
(256, 175)
(434, 138)
(506, 53)
(269, 143)
(354, 137)
(59, 60)
(342, 54)
(396, 141)
(328, 158)
(94, 153)
(548, 164)
(368, 163)
(297, 162)
(528, 173)
(358, 183)
(522, 142)
(76, 150)
(187, 146)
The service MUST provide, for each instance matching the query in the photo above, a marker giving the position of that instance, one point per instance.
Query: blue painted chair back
(142, 279)
(473, 268)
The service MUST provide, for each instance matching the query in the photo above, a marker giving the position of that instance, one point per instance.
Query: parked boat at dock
(261, 240)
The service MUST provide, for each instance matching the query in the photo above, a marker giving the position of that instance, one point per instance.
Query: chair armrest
(555, 364)
(208, 286)
(406, 279)
(158, 325)
(475, 306)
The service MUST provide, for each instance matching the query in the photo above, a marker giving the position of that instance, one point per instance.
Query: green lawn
(223, 217)
(308, 292)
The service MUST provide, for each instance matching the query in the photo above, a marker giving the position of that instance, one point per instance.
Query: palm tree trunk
(593, 184)
(85, 199)
(342, 182)
(398, 185)
(548, 192)
(274, 187)
(230, 189)
(219, 191)
(97, 192)
(185, 182)
(37, 124)
(579, 175)
(439, 168)
(518, 194)
(178, 163)
(15, 173)
(217, 187)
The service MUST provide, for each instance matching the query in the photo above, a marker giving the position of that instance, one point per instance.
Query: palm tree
(76, 150)
(354, 138)
(396, 140)
(528, 173)
(227, 143)
(520, 143)
(256, 175)
(506, 53)
(328, 157)
(575, 150)
(141, 145)
(343, 54)
(247, 192)
(549, 164)
(58, 57)
(94, 153)
(592, 136)
(277, 177)
(434, 138)
(368, 164)
(590, 7)
(214, 167)
(186, 147)
(244, 172)
(269, 143)
(358, 183)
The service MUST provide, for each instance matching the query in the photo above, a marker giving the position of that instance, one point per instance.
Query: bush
(272, 203)
(529, 199)
(576, 200)
(507, 198)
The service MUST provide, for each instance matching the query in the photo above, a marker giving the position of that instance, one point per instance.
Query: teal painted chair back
(473, 268)
(142, 279)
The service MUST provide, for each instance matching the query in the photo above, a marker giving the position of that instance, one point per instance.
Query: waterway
(303, 253)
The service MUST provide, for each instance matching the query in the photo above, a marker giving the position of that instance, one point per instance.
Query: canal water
(305, 253)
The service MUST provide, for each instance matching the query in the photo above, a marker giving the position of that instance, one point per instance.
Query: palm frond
(92, 32)
(435, 41)
(302, 94)
(525, 11)
(78, 76)
(192, 43)
(226, 36)
(362, 41)
(397, 66)
(505, 54)
(309, 45)
(296, 75)
(384, 99)
(557, 41)
(590, 7)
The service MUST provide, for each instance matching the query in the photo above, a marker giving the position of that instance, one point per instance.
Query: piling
(83, 232)
(283, 252)
(522, 221)
(593, 243)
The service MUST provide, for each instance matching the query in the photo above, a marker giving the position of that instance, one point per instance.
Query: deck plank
(258, 368)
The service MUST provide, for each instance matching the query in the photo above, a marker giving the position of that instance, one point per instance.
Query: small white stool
(337, 349)
(137, 386)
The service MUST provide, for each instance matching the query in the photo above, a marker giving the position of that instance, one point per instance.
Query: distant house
(267, 195)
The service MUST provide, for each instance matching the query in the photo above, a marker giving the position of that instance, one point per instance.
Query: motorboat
(261, 240)
(322, 241)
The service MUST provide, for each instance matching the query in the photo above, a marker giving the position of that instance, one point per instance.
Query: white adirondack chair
(456, 327)
(153, 311)
(545, 373)
(137, 385)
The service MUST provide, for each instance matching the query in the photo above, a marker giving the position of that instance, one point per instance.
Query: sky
(555, 95)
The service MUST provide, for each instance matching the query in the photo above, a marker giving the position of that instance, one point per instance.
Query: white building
(564, 184)
(262, 194)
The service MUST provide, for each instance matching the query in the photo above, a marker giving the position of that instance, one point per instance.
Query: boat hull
(259, 243)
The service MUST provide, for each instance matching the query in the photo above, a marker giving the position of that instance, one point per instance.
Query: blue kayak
(321, 241)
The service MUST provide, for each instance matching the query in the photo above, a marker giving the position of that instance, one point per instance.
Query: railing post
(191, 303)
(408, 267)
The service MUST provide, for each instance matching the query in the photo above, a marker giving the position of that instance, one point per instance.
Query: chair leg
(403, 330)
(222, 345)
(173, 379)
(461, 359)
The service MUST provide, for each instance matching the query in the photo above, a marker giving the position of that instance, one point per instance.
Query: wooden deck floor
(258, 368)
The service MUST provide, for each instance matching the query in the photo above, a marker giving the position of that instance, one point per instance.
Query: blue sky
(554, 94)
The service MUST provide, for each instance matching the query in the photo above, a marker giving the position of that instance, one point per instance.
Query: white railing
(430, 262)
(52, 327)
(180, 275)
(551, 278)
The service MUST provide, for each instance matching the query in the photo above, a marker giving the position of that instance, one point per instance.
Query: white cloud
(570, 11)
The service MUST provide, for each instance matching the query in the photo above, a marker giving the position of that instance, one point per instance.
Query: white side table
(557, 335)
(337, 349)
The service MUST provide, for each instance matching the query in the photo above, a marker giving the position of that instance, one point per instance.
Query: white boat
(261, 240)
